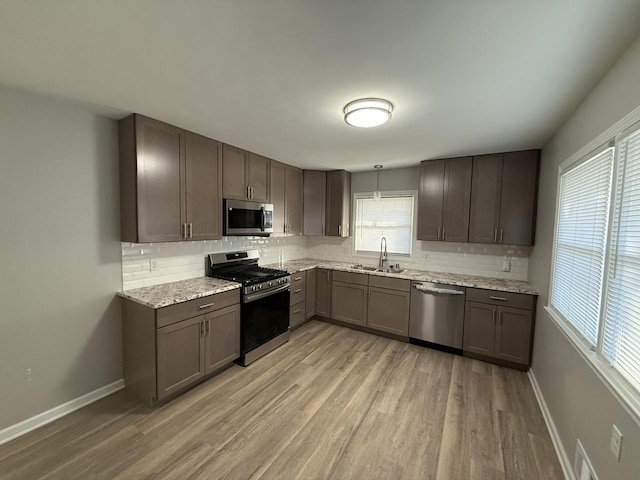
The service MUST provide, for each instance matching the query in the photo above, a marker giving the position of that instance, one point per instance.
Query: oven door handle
(252, 297)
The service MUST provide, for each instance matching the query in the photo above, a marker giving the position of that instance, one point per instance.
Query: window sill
(615, 383)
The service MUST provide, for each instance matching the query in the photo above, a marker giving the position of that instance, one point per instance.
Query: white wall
(60, 254)
(580, 404)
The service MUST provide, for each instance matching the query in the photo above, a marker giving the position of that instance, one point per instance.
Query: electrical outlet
(153, 265)
(506, 266)
(425, 256)
(616, 442)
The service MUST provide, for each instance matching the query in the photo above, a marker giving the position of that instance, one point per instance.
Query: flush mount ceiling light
(367, 112)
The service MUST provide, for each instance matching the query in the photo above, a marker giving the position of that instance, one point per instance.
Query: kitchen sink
(368, 268)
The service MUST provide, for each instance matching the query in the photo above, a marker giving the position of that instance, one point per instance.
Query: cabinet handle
(297, 279)
(251, 190)
(327, 272)
(495, 235)
(296, 311)
(298, 290)
(206, 305)
(339, 230)
(208, 325)
(438, 233)
(190, 230)
(184, 231)
(443, 234)
(501, 232)
(502, 299)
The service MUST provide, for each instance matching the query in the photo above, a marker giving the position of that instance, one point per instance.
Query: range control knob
(270, 284)
(253, 289)
(285, 279)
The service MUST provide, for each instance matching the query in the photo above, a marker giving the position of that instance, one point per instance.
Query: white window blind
(581, 233)
(621, 340)
(390, 217)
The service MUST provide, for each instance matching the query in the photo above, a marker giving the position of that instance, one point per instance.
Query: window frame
(385, 194)
(616, 383)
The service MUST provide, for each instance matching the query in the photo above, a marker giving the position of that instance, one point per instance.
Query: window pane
(621, 343)
(581, 230)
(389, 217)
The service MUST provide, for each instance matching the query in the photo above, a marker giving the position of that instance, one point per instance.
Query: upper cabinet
(170, 183)
(444, 199)
(338, 206)
(503, 198)
(286, 197)
(245, 175)
(314, 202)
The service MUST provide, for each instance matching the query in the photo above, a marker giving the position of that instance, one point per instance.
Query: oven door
(264, 316)
(247, 218)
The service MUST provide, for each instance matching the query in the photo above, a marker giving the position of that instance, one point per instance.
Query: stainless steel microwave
(247, 218)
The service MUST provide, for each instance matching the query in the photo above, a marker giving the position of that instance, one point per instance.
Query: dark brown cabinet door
(349, 302)
(293, 200)
(513, 334)
(430, 201)
(338, 203)
(388, 311)
(277, 187)
(234, 173)
(160, 150)
(457, 199)
(203, 188)
(258, 177)
(479, 328)
(323, 292)
(310, 301)
(486, 186)
(314, 200)
(519, 193)
(222, 337)
(180, 355)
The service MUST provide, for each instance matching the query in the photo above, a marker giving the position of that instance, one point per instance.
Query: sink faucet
(383, 253)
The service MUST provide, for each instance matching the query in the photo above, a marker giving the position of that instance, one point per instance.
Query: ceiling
(465, 76)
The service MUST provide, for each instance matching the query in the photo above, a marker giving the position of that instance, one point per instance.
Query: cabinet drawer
(298, 279)
(507, 299)
(348, 277)
(391, 283)
(296, 314)
(298, 293)
(199, 306)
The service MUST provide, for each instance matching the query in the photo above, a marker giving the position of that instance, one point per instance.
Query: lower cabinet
(323, 292)
(297, 309)
(494, 328)
(310, 302)
(372, 301)
(168, 349)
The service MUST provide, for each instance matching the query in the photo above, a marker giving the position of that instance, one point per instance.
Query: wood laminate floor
(333, 403)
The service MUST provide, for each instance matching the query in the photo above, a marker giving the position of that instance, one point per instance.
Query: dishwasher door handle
(445, 291)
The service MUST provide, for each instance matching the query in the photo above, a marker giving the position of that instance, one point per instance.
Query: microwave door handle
(263, 219)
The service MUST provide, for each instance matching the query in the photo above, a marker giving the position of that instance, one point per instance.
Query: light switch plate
(616, 442)
(506, 266)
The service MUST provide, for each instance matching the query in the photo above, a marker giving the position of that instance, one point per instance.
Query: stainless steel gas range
(264, 317)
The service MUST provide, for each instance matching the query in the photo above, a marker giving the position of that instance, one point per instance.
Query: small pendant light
(377, 195)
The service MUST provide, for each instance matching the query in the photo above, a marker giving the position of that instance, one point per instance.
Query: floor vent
(582, 466)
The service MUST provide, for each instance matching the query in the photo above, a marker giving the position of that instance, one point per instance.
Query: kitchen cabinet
(286, 197)
(297, 314)
(499, 326)
(310, 302)
(338, 205)
(170, 183)
(349, 302)
(388, 310)
(323, 292)
(314, 201)
(245, 175)
(168, 349)
(444, 199)
(503, 198)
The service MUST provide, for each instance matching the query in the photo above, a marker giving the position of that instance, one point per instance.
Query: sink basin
(376, 269)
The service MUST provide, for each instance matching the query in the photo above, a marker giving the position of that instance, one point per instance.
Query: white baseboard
(565, 463)
(49, 416)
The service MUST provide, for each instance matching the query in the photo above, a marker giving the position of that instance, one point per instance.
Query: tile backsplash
(154, 263)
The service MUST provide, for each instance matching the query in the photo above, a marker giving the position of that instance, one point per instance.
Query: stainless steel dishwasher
(437, 315)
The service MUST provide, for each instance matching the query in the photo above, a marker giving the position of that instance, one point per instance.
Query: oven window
(264, 319)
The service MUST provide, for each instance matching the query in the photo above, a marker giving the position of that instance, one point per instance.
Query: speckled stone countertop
(500, 284)
(158, 296)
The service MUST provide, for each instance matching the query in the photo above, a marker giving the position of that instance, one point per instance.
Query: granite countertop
(163, 295)
(488, 283)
